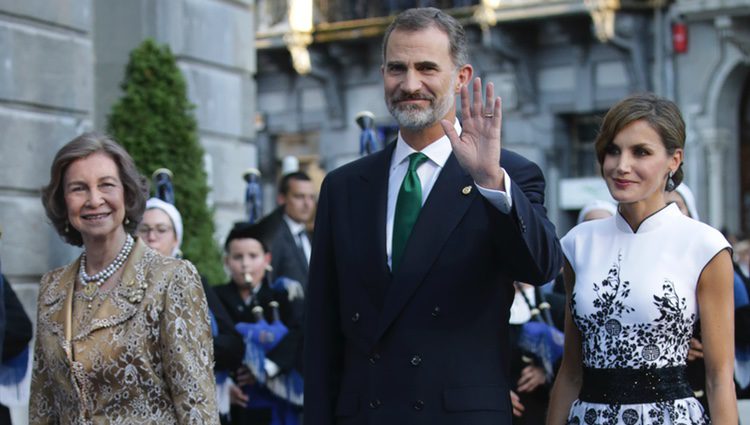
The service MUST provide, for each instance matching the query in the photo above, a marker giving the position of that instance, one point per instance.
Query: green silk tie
(408, 204)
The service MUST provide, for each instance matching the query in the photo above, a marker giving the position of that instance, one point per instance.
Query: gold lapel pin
(466, 190)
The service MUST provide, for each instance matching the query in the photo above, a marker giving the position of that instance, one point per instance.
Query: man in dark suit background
(290, 245)
(407, 311)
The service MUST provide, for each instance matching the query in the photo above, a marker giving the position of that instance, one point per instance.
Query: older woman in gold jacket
(123, 333)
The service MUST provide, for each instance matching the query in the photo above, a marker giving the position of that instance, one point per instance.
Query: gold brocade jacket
(145, 357)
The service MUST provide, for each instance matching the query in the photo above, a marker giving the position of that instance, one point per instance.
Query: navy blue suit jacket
(287, 258)
(428, 344)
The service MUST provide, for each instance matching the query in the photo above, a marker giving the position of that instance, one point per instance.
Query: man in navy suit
(291, 244)
(413, 330)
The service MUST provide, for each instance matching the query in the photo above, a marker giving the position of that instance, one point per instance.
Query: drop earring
(127, 221)
(67, 229)
(670, 182)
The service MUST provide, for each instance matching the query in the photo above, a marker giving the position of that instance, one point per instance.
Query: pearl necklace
(91, 284)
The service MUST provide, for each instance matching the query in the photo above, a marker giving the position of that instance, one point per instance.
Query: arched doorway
(724, 136)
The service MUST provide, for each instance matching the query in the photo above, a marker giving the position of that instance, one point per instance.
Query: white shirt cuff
(271, 368)
(498, 198)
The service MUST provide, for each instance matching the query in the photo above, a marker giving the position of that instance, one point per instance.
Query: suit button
(374, 404)
(374, 358)
(416, 360)
(418, 405)
(436, 311)
(355, 318)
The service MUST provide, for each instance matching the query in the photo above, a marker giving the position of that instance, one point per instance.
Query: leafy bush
(154, 121)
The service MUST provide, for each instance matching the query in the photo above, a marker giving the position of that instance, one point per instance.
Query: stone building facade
(61, 64)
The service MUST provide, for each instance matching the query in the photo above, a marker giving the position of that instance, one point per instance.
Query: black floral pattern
(610, 340)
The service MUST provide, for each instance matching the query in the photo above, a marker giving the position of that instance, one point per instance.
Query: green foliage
(155, 123)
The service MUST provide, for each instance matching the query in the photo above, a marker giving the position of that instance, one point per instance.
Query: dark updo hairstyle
(661, 114)
(134, 184)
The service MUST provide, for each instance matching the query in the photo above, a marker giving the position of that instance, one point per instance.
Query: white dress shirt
(437, 153)
(302, 238)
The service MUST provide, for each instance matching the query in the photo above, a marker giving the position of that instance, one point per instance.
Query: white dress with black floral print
(634, 302)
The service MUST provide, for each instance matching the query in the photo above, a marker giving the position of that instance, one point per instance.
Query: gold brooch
(466, 190)
(135, 293)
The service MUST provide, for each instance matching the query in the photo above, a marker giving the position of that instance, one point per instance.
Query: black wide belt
(633, 386)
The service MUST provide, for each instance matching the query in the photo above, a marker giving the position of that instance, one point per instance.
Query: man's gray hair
(422, 18)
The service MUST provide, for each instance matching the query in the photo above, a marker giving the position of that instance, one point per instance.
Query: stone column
(716, 141)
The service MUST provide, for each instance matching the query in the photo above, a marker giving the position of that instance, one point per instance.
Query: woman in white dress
(635, 283)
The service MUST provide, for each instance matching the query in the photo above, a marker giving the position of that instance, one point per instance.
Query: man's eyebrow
(427, 64)
(422, 64)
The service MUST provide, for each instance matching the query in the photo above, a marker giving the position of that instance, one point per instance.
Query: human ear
(465, 73)
(676, 160)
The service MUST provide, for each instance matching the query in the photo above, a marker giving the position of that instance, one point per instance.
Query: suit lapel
(292, 241)
(441, 213)
(369, 201)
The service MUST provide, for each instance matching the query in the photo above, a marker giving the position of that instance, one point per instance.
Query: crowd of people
(432, 287)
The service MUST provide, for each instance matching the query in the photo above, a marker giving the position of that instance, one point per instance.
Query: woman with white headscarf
(685, 200)
(596, 209)
(161, 229)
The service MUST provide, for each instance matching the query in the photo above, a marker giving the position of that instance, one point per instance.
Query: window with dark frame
(582, 132)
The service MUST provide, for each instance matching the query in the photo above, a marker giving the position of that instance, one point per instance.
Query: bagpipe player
(268, 313)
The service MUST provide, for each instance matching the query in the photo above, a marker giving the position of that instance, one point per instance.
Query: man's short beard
(412, 117)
